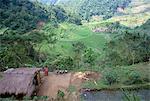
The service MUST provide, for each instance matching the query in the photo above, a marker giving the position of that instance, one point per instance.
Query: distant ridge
(47, 1)
(88, 8)
(138, 6)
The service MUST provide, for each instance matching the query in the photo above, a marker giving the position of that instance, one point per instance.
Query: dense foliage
(76, 35)
(88, 8)
(71, 6)
(23, 25)
(21, 15)
(18, 18)
(48, 1)
(101, 7)
(110, 76)
(130, 47)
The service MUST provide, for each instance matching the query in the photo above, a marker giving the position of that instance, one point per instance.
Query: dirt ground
(54, 82)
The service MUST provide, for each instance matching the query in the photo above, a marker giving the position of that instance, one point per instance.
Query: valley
(102, 45)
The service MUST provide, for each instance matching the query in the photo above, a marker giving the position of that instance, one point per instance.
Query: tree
(18, 21)
(78, 49)
(89, 56)
(107, 8)
(130, 47)
(110, 76)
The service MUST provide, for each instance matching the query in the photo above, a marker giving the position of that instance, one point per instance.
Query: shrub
(64, 62)
(59, 62)
(134, 77)
(60, 94)
(144, 72)
(26, 98)
(110, 76)
(128, 96)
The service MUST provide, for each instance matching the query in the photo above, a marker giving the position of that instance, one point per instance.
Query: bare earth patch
(54, 82)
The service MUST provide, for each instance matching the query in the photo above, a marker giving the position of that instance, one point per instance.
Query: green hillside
(74, 33)
(88, 8)
(71, 6)
(23, 25)
(136, 14)
(109, 40)
(138, 6)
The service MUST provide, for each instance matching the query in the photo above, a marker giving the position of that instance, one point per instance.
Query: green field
(71, 33)
(142, 68)
(136, 14)
(74, 33)
(131, 20)
(68, 33)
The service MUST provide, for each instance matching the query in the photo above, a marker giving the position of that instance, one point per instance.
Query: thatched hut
(19, 82)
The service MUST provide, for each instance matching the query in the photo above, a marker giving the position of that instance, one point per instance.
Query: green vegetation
(129, 49)
(106, 8)
(127, 77)
(68, 35)
(60, 95)
(130, 96)
(56, 39)
(22, 28)
(88, 8)
(87, 35)
(110, 76)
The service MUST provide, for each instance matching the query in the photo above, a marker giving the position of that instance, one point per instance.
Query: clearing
(54, 82)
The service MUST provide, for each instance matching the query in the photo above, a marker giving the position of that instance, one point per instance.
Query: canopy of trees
(21, 28)
(88, 8)
(130, 47)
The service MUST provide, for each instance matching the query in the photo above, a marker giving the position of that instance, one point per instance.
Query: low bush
(110, 76)
(128, 96)
(60, 95)
(134, 77)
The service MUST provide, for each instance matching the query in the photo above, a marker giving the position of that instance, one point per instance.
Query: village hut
(19, 82)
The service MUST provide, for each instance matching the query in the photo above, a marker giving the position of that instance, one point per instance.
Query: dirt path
(52, 83)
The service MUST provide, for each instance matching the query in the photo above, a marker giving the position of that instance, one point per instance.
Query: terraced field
(137, 13)
(138, 6)
(74, 33)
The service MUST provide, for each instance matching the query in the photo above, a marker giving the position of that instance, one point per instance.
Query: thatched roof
(18, 81)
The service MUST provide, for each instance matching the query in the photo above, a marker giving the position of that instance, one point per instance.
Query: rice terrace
(74, 50)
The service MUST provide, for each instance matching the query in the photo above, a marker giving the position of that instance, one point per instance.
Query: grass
(135, 14)
(73, 33)
(123, 72)
(101, 86)
(137, 6)
(131, 20)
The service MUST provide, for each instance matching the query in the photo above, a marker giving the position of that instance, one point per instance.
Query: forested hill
(72, 6)
(104, 8)
(21, 15)
(88, 8)
(49, 2)
(138, 6)
(18, 19)
(19, 32)
(24, 15)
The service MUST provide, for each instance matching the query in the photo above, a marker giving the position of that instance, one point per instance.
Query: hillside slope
(136, 14)
(71, 6)
(104, 8)
(138, 6)
(88, 8)
(46, 1)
